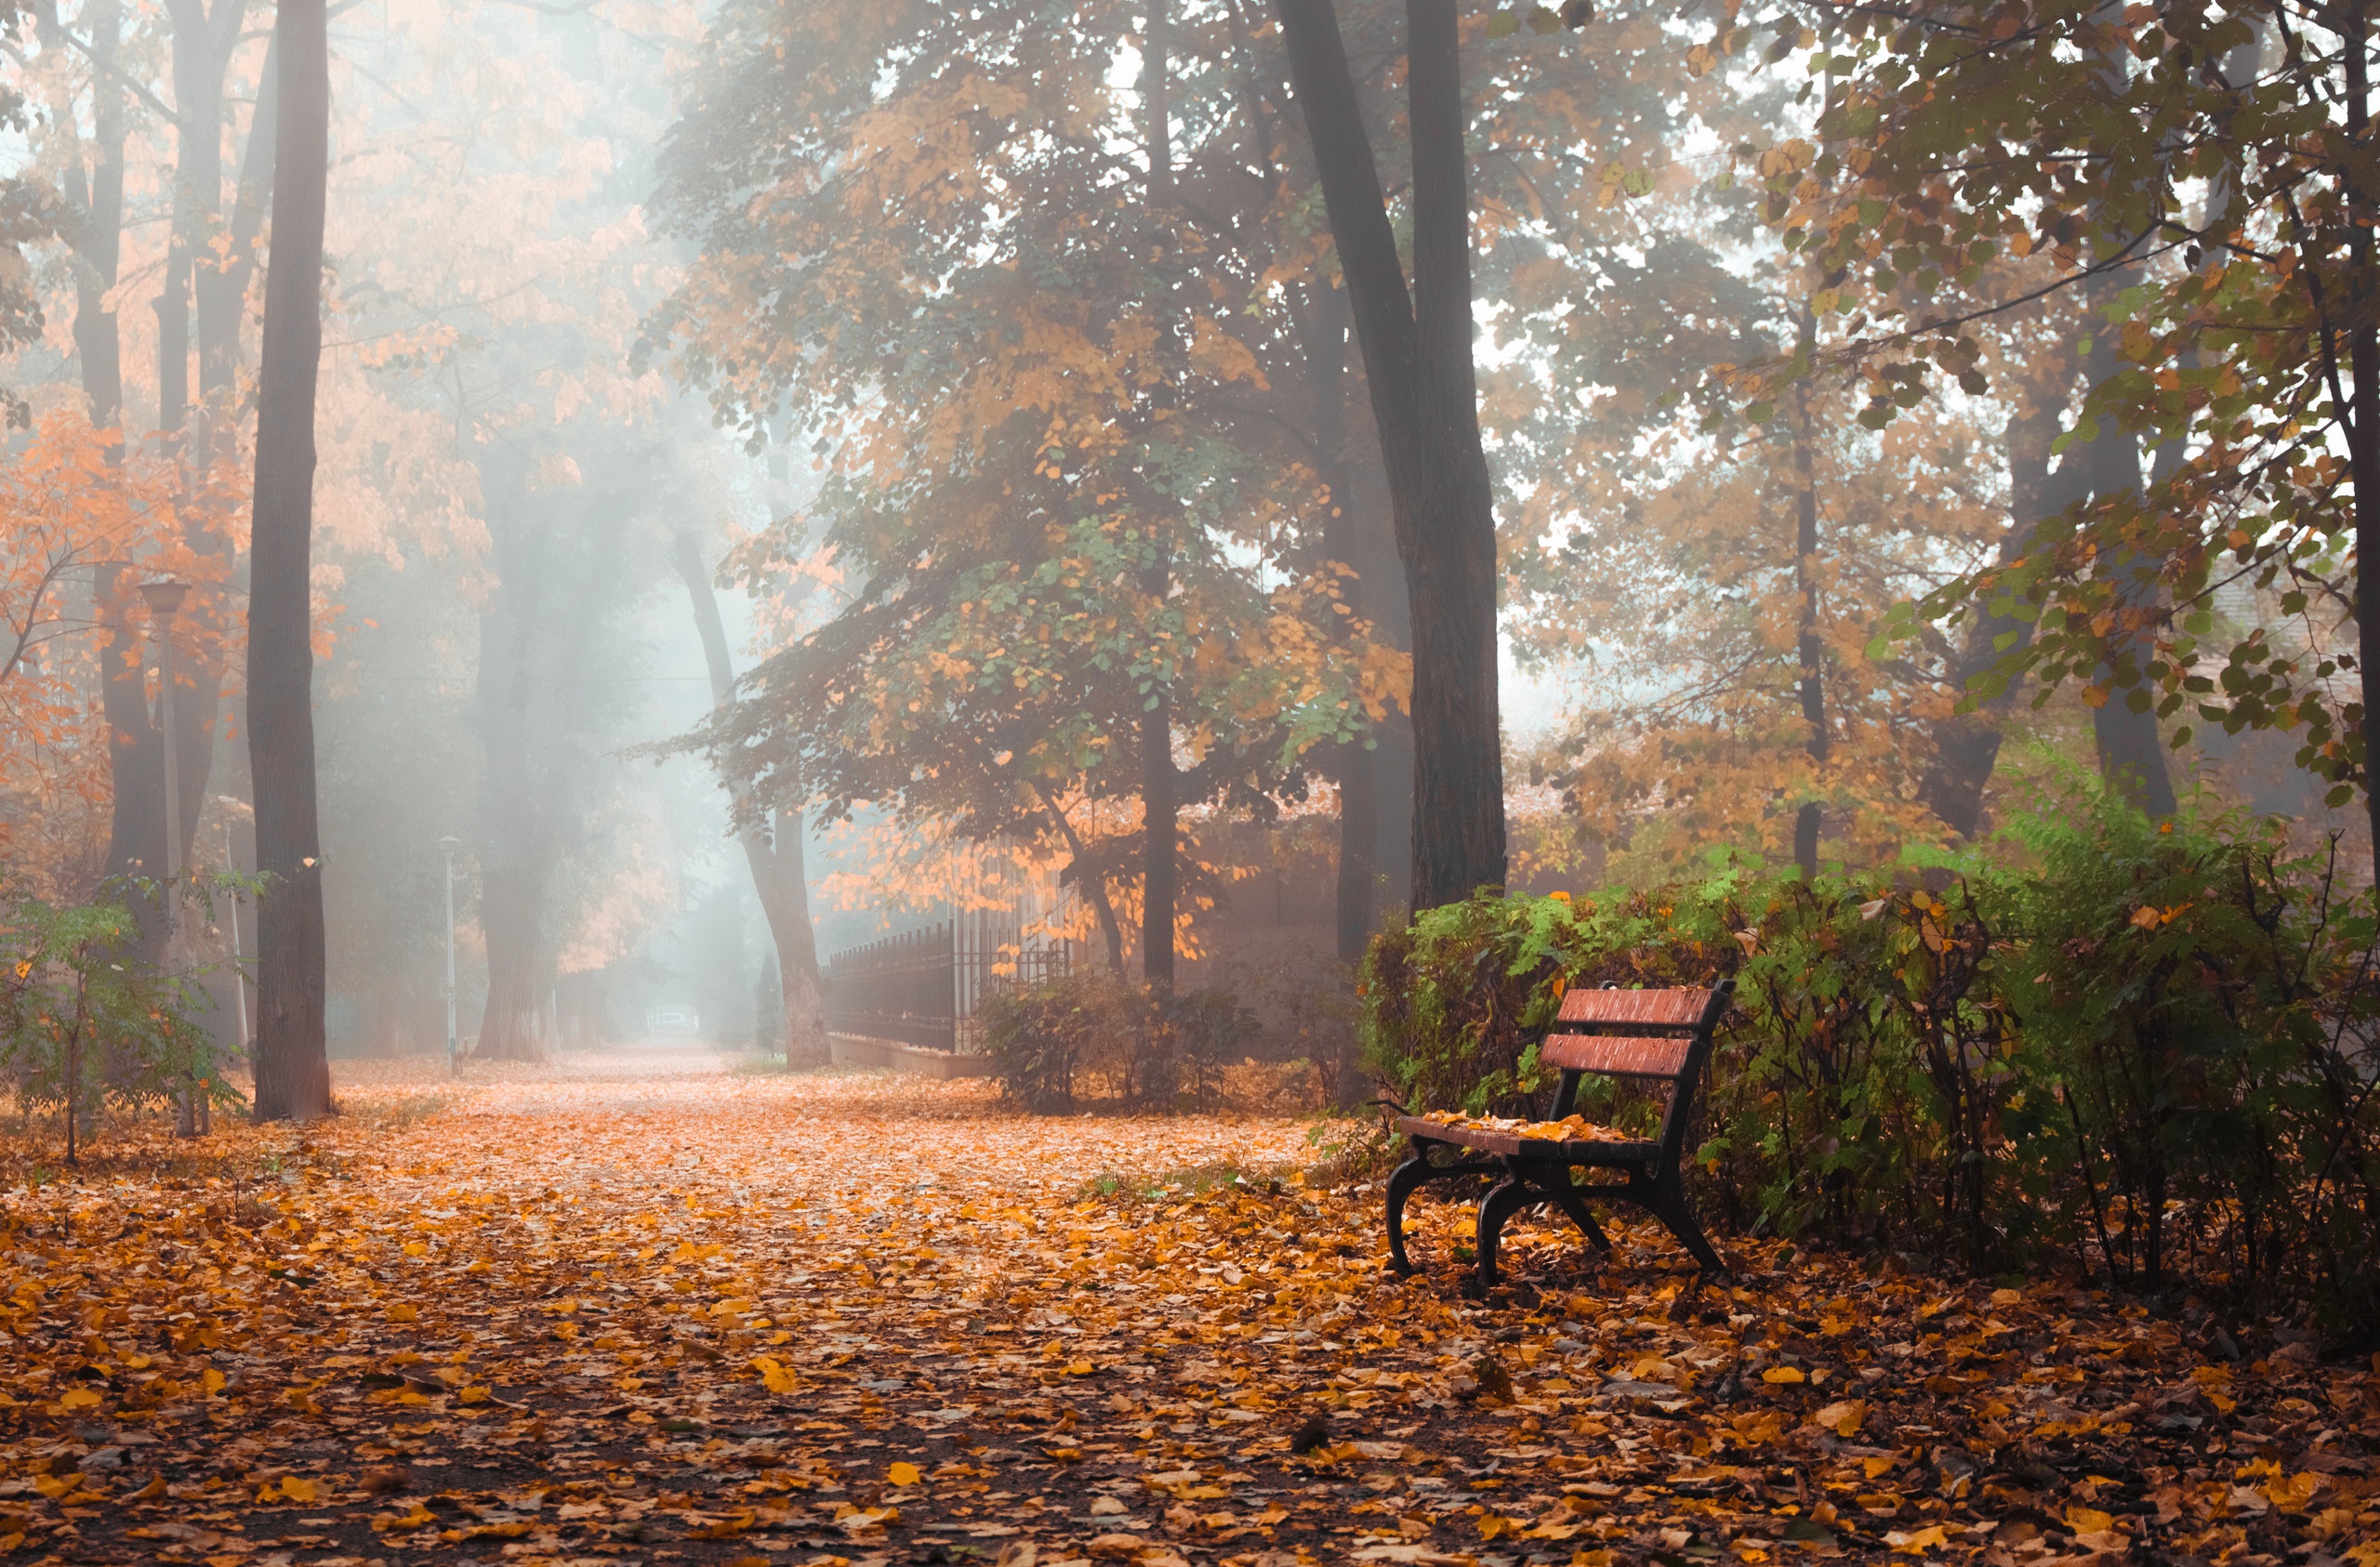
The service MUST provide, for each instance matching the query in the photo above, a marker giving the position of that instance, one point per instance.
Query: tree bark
(136, 828)
(772, 850)
(2363, 430)
(2131, 753)
(1417, 359)
(98, 229)
(293, 1070)
(1809, 652)
(1160, 784)
(1967, 745)
(1160, 820)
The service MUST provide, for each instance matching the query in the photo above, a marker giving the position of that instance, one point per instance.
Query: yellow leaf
(1843, 1418)
(2089, 1520)
(1916, 1540)
(1494, 1525)
(298, 1489)
(403, 1311)
(474, 1394)
(775, 1375)
(1781, 1373)
(904, 1474)
(79, 1398)
(1080, 1368)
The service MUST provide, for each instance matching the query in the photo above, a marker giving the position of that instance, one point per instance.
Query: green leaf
(1503, 24)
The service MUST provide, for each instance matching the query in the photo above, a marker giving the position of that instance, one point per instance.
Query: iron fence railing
(926, 987)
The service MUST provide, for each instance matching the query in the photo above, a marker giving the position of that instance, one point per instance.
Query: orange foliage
(78, 526)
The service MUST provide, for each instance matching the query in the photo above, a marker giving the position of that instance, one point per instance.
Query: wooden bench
(1649, 1036)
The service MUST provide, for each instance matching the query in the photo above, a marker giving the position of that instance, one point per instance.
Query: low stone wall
(851, 1050)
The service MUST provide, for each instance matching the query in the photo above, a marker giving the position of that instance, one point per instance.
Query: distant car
(674, 1021)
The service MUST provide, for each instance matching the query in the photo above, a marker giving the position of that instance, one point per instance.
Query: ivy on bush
(2147, 1046)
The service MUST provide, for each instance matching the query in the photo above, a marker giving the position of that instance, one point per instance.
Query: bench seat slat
(1617, 1056)
(1660, 1008)
(1631, 1150)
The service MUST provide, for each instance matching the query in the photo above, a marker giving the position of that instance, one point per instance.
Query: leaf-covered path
(648, 1310)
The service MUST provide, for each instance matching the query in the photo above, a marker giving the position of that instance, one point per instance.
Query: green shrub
(86, 1025)
(1090, 1035)
(2146, 1045)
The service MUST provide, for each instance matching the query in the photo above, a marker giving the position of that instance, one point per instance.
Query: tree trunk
(1809, 652)
(293, 1073)
(516, 850)
(772, 848)
(201, 53)
(2132, 754)
(2363, 430)
(135, 831)
(1160, 782)
(1967, 745)
(1417, 359)
(1161, 821)
(98, 229)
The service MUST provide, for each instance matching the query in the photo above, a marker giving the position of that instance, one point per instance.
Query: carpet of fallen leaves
(643, 1310)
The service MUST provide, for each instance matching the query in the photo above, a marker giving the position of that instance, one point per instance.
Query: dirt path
(641, 1308)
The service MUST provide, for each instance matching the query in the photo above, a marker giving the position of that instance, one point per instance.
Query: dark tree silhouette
(1417, 359)
(293, 1073)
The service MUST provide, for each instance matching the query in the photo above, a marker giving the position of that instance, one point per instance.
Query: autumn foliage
(2141, 1056)
(466, 1321)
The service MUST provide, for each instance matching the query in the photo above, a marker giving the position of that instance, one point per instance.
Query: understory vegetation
(2139, 1050)
(1093, 1036)
(89, 1026)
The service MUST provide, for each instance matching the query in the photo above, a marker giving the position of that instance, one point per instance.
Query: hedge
(2142, 1049)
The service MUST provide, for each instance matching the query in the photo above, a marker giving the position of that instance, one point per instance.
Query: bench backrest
(1661, 1035)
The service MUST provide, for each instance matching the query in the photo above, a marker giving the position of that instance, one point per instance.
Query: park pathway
(647, 1307)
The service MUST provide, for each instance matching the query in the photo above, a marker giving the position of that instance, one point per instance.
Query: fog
(1098, 502)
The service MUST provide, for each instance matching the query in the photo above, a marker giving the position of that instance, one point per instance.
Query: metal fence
(925, 987)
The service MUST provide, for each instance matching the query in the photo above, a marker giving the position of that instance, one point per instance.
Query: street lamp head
(163, 596)
(452, 846)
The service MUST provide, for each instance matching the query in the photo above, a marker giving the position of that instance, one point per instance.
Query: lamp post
(239, 976)
(454, 1062)
(164, 598)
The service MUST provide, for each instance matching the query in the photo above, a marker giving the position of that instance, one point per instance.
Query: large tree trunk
(1809, 652)
(293, 1072)
(2363, 429)
(201, 53)
(772, 850)
(2131, 753)
(98, 236)
(516, 695)
(537, 642)
(1967, 745)
(1417, 359)
(1160, 781)
(136, 830)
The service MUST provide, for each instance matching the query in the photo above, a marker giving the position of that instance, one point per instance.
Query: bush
(1093, 1035)
(86, 1023)
(2145, 1045)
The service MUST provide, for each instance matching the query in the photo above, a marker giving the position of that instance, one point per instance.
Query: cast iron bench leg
(1669, 1205)
(1504, 1199)
(1407, 1179)
(1571, 1203)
